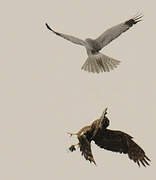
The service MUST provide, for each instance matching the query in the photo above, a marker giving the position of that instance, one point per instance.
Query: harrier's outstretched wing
(116, 31)
(118, 141)
(68, 37)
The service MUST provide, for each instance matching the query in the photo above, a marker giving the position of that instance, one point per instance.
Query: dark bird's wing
(112, 33)
(118, 141)
(68, 37)
(137, 154)
(85, 148)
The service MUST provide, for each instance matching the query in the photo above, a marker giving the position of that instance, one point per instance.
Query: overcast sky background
(44, 93)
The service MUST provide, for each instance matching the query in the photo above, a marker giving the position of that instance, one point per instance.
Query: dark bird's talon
(72, 148)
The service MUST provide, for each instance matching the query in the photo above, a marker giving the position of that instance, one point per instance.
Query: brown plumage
(112, 140)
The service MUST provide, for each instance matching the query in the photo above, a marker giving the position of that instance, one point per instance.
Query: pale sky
(44, 93)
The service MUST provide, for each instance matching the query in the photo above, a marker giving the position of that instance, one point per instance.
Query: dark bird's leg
(73, 146)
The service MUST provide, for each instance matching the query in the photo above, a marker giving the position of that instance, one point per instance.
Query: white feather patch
(100, 63)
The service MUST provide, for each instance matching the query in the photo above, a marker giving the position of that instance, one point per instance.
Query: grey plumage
(96, 61)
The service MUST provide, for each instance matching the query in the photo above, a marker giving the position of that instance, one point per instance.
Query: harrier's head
(94, 45)
(89, 40)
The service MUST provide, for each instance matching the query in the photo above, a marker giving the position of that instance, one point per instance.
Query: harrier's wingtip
(48, 26)
(137, 18)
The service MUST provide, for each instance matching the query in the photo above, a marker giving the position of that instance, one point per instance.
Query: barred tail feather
(99, 63)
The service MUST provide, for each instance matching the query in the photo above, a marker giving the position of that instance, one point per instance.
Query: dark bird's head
(104, 121)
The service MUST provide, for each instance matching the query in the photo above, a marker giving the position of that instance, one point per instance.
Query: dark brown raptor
(112, 140)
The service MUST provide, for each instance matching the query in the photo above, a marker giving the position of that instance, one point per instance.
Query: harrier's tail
(99, 63)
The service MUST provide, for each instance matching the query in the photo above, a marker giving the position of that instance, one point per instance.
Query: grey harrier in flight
(96, 61)
(112, 140)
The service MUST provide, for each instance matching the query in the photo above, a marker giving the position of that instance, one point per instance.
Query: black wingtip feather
(134, 20)
(48, 27)
(147, 158)
(52, 29)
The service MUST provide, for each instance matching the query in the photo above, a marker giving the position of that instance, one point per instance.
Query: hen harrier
(112, 140)
(96, 61)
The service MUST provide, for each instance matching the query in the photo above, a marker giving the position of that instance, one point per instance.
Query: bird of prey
(96, 61)
(112, 140)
